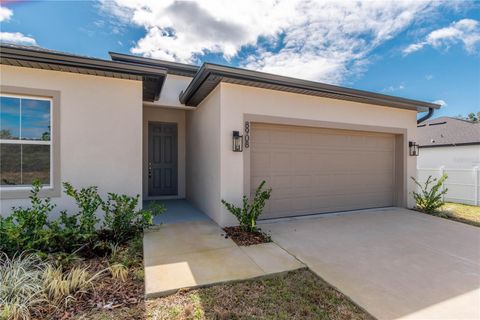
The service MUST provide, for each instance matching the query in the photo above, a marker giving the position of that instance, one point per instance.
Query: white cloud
(394, 88)
(17, 37)
(466, 31)
(5, 14)
(317, 40)
(429, 77)
(13, 37)
(440, 102)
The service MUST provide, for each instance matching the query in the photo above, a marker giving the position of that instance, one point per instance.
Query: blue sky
(427, 50)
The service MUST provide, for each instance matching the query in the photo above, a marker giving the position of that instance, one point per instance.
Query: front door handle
(149, 170)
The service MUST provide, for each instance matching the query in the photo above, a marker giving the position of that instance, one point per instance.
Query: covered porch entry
(163, 153)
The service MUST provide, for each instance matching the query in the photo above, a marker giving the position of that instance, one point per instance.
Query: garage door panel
(302, 181)
(315, 170)
(260, 162)
(281, 161)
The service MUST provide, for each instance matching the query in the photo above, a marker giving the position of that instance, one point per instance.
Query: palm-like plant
(430, 197)
(247, 216)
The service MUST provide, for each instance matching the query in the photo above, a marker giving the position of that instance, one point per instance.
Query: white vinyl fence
(463, 184)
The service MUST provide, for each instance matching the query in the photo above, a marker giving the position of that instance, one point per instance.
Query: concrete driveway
(395, 263)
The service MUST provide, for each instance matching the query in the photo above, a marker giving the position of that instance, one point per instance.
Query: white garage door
(315, 170)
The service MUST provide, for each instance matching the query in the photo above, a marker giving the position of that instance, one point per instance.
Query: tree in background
(472, 117)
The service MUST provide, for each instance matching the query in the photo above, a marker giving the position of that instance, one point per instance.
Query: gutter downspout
(426, 117)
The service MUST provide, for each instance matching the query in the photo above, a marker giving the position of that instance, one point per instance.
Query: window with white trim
(25, 141)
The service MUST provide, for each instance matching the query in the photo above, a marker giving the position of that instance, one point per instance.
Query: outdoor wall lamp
(237, 142)
(413, 149)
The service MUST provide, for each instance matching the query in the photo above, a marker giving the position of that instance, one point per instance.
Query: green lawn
(295, 295)
(462, 213)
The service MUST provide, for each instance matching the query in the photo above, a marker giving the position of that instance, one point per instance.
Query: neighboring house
(165, 130)
(452, 146)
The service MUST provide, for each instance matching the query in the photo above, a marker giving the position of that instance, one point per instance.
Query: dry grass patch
(462, 213)
(296, 295)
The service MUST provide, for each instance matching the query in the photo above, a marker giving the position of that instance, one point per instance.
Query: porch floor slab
(177, 210)
(196, 254)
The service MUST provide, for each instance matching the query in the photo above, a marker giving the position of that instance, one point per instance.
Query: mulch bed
(245, 238)
(108, 294)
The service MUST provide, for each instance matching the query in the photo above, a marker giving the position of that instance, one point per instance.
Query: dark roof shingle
(446, 131)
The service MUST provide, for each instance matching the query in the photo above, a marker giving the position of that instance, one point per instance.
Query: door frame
(400, 149)
(153, 197)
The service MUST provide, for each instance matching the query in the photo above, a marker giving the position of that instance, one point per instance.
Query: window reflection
(35, 120)
(10, 164)
(35, 163)
(25, 141)
(9, 118)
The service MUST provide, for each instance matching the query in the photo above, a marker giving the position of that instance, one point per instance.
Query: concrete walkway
(195, 254)
(395, 263)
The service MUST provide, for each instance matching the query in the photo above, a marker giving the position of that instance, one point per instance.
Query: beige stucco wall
(203, 156)
(101, 130)
(158, 114)
(238, 102)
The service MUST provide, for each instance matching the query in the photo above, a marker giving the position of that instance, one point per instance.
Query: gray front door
(162, 159)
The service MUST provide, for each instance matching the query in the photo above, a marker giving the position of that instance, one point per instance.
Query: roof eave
(150, 75)
(223, 72)
(175, 68)
(450, 144)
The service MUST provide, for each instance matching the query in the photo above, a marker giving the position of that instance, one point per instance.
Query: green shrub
(77, 231)
(430, 197)
(30, 228)
(123, 221)
(65, 232)
(129, 255)
(27, 228)
(247, 216)
(88, 202)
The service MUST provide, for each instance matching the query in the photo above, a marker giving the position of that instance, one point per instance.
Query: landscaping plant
(248, 214)
(21, 285)
(27, 228)
(123, 220)
(31, 229)
(78, 231)
(118, 271)
(430, 197)
(61, 287)
(42, 283)
(88, 202)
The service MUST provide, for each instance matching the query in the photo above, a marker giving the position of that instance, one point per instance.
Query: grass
(462, 213)
(296, 295)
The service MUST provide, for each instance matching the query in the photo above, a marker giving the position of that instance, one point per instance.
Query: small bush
(129, 255)
(88, 202)
(27, 228)
(247, 216)
(122, 219)
(430, 197)
(21, 286)
(31, 229)
(77, 231)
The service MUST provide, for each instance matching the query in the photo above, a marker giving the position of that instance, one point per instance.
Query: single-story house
(451, 146)
(449, 142)
(167, 130)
